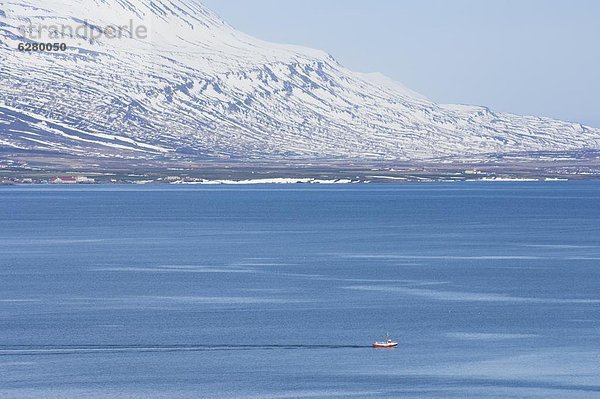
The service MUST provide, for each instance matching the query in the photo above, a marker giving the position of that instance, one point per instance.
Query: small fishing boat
(388, 343)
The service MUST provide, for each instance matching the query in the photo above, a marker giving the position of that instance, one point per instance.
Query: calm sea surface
(492, 290)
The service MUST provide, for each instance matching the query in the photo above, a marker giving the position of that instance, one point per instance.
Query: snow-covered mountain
(196, 87)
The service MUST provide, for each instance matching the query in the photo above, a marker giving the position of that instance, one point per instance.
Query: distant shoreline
(290, 182)
(43, 171)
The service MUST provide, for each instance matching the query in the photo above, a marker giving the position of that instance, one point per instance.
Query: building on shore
(85, 180)
(63, 180)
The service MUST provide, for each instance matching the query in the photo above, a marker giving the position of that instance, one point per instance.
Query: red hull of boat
(385, 345)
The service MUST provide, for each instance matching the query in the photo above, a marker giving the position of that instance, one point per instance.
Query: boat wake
(40, 350)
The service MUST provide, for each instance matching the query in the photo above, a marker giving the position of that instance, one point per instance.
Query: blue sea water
(492, 290)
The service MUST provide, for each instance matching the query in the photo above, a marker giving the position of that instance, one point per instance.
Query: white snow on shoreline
(276, 180)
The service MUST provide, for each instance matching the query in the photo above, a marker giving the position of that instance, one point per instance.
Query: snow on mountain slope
(196, 87)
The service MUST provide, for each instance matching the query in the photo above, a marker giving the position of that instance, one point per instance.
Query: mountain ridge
(196, 88)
